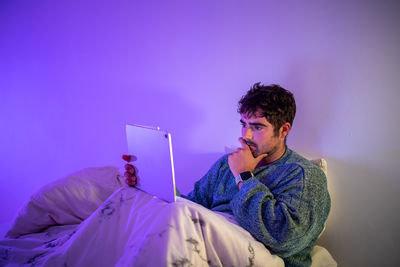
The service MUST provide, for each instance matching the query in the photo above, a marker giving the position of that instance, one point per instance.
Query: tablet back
(151, 149)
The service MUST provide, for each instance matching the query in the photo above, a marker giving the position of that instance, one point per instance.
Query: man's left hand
(242, 159)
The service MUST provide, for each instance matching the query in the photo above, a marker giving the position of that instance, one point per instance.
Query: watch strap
(243, 176)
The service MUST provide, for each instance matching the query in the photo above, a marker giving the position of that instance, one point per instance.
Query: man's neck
(276, 155)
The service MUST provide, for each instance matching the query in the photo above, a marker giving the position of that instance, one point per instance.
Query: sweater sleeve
(202, 192)
(288, 218)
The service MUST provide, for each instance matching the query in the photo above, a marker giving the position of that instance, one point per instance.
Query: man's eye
(257, 128)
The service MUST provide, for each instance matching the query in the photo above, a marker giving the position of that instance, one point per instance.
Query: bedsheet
(89, 219)
(132, 228)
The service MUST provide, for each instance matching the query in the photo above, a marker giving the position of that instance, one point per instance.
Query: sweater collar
(279, 161)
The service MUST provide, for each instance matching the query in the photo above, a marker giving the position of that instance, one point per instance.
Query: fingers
(130, 175)
(130, 171)
(261, 156)
(130, 179)
(130, 168)
(243, 143)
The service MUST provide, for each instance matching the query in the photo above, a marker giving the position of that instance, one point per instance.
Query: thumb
(260, 157)
(127, 158)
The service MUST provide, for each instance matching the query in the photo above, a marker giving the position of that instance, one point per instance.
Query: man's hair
(273, 102)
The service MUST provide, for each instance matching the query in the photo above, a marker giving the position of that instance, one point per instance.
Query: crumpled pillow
(321, 162)
(69, 200)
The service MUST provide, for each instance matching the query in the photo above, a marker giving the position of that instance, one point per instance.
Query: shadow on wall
(83, 126)
(191, 167)
(160, 106)
(312, 83)
(362, 219)
(144, 104)
(157, 106)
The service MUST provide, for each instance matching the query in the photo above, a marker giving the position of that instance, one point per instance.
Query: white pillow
(69, 200)
(321, 162)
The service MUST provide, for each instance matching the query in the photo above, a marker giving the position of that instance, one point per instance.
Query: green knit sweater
(284, 206)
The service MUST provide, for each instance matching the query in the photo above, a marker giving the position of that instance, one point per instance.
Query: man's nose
(248, 133)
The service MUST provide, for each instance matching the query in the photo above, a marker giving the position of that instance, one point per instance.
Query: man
(278, 196)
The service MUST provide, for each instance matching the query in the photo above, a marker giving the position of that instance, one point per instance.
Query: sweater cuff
(249, 188)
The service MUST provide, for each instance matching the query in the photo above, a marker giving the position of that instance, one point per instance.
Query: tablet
(151, 151)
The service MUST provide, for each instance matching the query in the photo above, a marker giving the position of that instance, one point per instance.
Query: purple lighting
(72, 75)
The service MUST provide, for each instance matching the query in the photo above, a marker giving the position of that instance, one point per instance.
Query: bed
(90, 218)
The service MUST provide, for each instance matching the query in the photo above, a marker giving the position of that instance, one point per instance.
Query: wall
(73, 74)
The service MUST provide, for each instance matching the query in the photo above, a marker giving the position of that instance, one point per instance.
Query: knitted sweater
(284, 206)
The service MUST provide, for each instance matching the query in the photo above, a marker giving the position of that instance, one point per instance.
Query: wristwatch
(243, 176)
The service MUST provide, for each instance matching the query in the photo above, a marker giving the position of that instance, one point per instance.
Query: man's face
(260, 137)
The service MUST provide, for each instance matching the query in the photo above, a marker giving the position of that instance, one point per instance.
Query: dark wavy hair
(273, 102)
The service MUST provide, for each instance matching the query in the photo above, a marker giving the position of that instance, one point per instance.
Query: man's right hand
(130, 171)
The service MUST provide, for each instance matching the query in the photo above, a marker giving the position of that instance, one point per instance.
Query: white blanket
(131, 228)
(79, 221)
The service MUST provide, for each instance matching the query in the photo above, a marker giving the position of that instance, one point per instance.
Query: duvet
(90, 219)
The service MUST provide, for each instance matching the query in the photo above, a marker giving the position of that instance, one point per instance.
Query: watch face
(246, 175)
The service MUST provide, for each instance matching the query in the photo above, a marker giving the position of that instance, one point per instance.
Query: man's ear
(285, 129)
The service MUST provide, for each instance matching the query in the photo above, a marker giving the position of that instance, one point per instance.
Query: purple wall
(73, 74)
